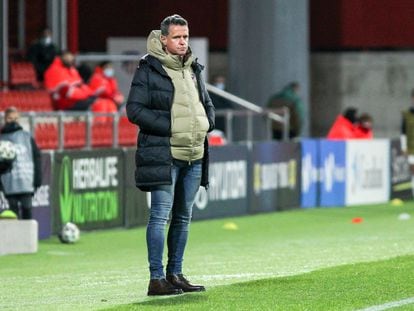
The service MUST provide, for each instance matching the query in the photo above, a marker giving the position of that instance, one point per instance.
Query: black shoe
(162, 287)
(178, 280)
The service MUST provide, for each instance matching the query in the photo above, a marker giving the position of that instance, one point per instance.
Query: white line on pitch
(390, 305)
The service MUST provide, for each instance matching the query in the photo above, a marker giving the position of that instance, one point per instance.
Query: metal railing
(244, 108)
(30, 121)
(250, 111)
(244, 122)
(243, 118)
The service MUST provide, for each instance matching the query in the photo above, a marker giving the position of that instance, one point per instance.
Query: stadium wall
(96, 189)
(378, 83)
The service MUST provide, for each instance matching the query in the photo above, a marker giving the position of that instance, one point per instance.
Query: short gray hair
(172, 20)
(10, 110)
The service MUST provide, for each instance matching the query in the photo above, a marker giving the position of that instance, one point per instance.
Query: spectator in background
(20, 183)
(68, 90)
(219, 82)
(104, 84)
(407, 128)
(168, 100)
(344, 125)
(220, 103)
(408, 117)
(349, 126)
(288, 97)
(42, 53)
(363, 129)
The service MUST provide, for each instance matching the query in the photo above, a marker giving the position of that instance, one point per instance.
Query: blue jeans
(177, 198)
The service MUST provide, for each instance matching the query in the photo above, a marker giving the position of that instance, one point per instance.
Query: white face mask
(47, 40)
(220, 85)
(108, 72)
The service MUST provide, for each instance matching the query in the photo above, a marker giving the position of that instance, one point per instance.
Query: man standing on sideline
(169, 102)
(20, 183)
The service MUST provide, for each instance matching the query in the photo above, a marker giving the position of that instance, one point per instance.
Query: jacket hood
(155, 49)
(11, 127)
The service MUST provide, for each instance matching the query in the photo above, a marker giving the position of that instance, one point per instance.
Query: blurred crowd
(72, 87)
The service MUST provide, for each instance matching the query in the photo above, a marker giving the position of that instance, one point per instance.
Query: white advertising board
(368, 171)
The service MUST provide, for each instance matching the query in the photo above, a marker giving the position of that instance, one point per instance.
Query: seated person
(363, 130)
(104, 84)
(42, 53)
(68, 90)
(344, 125)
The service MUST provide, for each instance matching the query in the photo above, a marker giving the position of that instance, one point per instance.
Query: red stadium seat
(74, 134)
(127, 132)
(23, 75)
(26, 100)
(46, 136)
(7, 99)
(41, 100)
(102, 134)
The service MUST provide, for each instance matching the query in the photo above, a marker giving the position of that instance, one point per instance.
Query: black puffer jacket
(149, 106)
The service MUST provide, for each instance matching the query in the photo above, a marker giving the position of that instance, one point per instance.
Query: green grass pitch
(315, 259)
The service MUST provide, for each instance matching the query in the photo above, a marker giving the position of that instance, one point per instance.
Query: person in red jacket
(104, 84)
(344, 125)
(363, 130)
(68, 90)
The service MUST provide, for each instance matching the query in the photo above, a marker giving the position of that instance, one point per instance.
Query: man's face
(366, 124)
(176, 42)
(12, 117)
(68, 59)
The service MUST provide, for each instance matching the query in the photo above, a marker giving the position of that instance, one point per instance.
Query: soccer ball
(7, 150)
(69, 234)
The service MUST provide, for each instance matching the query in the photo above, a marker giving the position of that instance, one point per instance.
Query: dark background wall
(334, 24)
(35, 17)
(101, 19)
(361, 24)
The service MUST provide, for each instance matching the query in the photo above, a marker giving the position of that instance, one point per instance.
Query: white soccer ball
(7, 150)
(70, 233)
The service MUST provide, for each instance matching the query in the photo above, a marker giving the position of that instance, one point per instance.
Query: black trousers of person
(21, 205)
(84, 104)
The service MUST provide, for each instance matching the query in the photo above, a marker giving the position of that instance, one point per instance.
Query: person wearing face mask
(20, 183)
(104, 85)
(42, 53)
(68, 90)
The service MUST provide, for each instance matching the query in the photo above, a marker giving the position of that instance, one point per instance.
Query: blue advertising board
(275, 176)
(332, 172)
(310, 173)
(227, 194)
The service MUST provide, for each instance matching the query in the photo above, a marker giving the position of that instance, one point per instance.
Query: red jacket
(363, 133)
(341, 129)
(345, 129)
(65, 85)
(105, 87)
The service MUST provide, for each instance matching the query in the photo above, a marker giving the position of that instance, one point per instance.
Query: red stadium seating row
(33, 100)
(47, 134)
(127, 132)
(102, 134)
(74, 135)
(23, 74)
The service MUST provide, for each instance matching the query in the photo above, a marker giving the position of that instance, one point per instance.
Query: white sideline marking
(390, 305)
